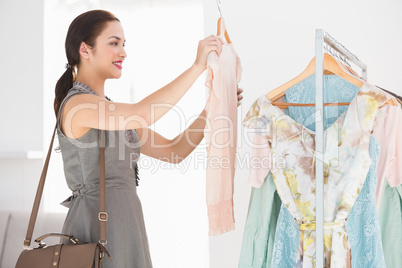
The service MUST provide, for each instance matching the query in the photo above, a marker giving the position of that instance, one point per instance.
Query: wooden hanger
(220, 22)
(331, 66)
(352, 72)
(348, 69)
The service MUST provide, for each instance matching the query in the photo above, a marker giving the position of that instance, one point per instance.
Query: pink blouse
(220, 133)
(388, 133)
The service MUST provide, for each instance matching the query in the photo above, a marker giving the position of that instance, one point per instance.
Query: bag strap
(103, 216)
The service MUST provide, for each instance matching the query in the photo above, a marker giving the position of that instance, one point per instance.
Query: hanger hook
(218, 3)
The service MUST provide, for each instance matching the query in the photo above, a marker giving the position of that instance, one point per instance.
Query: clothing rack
(321, 39)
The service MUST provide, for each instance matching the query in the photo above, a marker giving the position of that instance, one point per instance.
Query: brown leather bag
(76, 254)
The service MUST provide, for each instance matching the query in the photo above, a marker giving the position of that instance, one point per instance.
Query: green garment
(259, 231)
(390, 214)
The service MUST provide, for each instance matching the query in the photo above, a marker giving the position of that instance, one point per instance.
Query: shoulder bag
(77, 254)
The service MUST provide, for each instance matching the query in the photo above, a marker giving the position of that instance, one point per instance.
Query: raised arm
(177, 149)
(91, 111)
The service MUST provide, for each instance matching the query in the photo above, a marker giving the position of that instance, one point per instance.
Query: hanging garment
(294, 144)
(389, 199)
(126, 233)
(366, 246)
(223, 74)
(365, 243)
(388, 131)
(259, 230)
(390, 213)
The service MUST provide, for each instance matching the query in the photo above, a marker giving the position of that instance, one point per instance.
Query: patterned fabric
(363, 224)
(293, 169)
(286, 241)
(366, 246)
(304, 92)
(365, 242)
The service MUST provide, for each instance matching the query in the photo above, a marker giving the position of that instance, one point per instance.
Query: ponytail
(63, 85)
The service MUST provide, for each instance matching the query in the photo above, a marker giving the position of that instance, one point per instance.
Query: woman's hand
(205, 46)
(239, 96)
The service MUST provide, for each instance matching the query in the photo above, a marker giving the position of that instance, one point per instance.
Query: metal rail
(321, 39)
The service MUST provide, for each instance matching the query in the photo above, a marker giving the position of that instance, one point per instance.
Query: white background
(275, 41)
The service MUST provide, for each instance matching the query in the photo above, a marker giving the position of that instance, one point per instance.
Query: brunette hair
(84, 28)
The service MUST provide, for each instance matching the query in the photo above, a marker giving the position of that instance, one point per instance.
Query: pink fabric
(260, 161)
(388, 133)
(220, 133)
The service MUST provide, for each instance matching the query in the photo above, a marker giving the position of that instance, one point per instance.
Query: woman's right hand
(205, 46)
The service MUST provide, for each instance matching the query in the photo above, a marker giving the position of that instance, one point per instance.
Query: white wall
(275, 41)
(21, 109)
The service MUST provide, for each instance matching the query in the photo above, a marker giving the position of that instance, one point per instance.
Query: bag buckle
(40, 244)
(74, 240)
(106, 216)
(102, 242)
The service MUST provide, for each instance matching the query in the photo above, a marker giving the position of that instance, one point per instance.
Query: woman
(95, 52)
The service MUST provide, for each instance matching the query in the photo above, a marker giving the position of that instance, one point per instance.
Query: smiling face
(108, 54)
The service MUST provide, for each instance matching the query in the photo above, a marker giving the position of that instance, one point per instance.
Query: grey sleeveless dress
(127, 241)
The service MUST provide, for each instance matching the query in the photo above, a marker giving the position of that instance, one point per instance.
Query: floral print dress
(346, 163)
